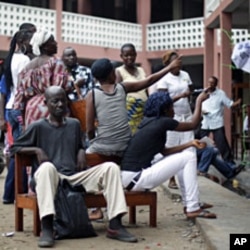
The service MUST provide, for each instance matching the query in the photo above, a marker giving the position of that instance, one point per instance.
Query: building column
(118, 9)
(225, 78)
(208, 55)
(84, 7)
(58, 6)
(143, 17)
(177, 9)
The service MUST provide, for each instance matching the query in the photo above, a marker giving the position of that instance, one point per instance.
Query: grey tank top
(113, 131)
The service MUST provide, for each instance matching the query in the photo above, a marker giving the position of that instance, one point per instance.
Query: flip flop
(173, 185)
(201, 213)
(203, 205)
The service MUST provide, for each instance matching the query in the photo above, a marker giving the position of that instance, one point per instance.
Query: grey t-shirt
(113, 131)
(61, 144)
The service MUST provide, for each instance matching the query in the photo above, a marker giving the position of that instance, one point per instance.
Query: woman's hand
(199, 144)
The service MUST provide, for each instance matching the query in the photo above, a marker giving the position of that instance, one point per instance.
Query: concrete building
(204, 32)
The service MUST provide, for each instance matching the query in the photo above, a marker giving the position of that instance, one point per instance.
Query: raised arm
(151, 79)
(186, 126)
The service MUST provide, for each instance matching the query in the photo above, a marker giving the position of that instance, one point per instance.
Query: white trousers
(184, 164)
(105, 176)
(175, 138)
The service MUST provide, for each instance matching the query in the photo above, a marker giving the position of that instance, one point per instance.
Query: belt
(133, 182)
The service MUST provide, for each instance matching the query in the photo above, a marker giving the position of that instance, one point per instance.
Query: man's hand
(198, 144)
(186, 94)
(81, 160)
(2, 125)
(80, 82)
(41, 156)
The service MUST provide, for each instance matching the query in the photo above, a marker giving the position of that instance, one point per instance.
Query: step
(232, 213)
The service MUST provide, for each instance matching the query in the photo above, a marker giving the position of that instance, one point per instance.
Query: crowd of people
(152, 132)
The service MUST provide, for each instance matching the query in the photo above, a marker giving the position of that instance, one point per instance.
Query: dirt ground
(173, 231)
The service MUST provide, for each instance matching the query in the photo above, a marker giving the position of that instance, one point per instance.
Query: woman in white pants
(137, 171)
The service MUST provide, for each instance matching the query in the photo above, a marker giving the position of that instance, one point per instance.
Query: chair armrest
(21, 160)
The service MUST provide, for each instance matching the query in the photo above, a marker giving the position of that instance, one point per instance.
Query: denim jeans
(211, 156)
(15, 121)
(9, 185)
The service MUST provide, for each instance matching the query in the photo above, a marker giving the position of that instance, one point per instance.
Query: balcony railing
(12, 15)
(181, 34)
(101, 32)
(89, 30)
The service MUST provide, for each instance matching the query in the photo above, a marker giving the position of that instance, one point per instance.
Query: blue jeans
(211, 156)
(15, 123)
(9, 185)
(220, 142)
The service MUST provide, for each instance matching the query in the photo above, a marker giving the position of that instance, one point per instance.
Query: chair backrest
(95, 159)
(78, 110)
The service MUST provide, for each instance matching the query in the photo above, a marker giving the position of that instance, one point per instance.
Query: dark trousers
(221, 142)
(9, 185)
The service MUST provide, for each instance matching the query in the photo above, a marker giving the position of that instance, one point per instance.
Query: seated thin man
(56, 141)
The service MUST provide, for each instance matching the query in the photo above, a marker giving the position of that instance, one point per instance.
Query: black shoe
(46, 240)
(8, 202)
(121, 234)
(238, 169)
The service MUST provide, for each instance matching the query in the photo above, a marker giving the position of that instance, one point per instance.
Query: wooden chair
(26, 201)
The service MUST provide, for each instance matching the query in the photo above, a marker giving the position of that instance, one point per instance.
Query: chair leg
(36, 222)
(19, 219)
(153, 215)
(132, 215)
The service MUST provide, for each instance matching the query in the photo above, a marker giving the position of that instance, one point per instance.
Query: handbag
(71, 219)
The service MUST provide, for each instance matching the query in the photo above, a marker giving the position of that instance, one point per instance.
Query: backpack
(71, 219)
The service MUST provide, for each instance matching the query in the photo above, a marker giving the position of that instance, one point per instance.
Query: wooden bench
(26, 201)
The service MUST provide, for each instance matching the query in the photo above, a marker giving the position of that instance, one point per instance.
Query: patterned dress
(136, 100)
(33, 83)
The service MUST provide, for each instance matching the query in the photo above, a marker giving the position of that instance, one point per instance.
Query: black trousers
(221, 142)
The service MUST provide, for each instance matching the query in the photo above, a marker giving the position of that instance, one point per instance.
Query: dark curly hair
(157, 104)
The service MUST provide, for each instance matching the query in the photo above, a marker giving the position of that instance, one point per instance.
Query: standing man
(213, 117)
(80, 76)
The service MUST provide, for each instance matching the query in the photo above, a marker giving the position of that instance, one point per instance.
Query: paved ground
(174, 232)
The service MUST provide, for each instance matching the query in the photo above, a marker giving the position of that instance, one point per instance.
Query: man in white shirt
(213, 117)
